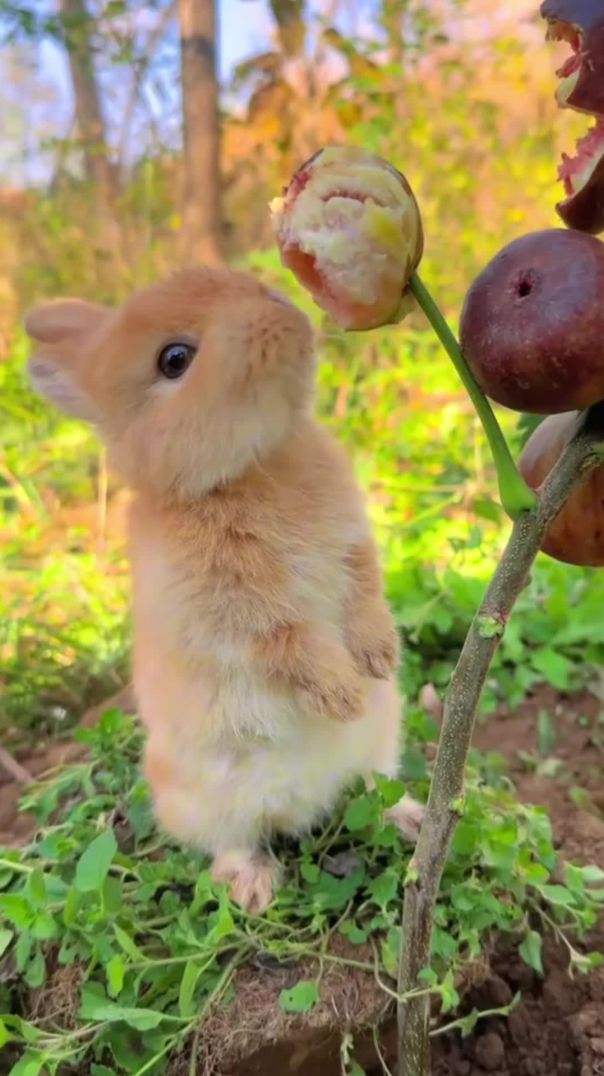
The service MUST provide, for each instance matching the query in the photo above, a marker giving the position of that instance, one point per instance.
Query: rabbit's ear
(64, 321)
(60, 331)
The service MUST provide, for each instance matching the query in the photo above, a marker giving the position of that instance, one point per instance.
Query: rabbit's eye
(175, 359)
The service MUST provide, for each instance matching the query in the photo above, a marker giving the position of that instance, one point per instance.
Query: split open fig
(576, 536)
(349, 228)
(581, 24)
(532, 324)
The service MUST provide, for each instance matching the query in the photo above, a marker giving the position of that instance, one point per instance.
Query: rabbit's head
(189, 382)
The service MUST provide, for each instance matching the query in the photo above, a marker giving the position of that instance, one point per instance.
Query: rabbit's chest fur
(211, 576)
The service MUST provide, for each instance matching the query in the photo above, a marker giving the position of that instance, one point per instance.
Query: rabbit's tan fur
(264, 654)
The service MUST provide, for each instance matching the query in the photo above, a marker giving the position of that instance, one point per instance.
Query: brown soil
(16, 827)
(557, 1029)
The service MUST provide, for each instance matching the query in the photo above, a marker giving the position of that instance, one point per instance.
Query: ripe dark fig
(581, 24)
(532, 324)
(576, 536)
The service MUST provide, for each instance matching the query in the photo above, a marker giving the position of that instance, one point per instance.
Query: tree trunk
(201, 216)
(77, 25)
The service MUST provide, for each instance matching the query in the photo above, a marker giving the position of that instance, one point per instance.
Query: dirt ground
(558, 1028)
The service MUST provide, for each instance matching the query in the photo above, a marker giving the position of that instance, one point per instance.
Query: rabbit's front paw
(376, 658)
(341, 700)
(374, 645)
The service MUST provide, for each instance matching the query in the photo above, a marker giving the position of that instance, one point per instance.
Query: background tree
(78, 29)
(201, 206)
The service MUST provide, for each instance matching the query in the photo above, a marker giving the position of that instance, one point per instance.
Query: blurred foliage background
(113, 173)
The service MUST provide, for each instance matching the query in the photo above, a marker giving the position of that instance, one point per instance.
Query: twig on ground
(16, 770)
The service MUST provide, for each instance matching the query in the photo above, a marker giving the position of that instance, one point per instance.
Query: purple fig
(576, 536)
(532, 324)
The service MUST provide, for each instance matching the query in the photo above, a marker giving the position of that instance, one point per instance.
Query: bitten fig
(576, 536)
(349, 228)
(532, 324)
(581, 24)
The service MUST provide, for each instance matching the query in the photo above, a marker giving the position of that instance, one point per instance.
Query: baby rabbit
(264, 653)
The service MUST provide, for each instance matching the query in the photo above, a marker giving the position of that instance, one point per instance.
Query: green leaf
(27, 1031)
(384, 888)
(448, 993)
(413, 765)
(5, 1035)
(190, 978)
(355, 935)
(334, 893)
(443, 943)
(389, 789)
(131, 1050)
(554, 667)
(6, 937)
(557, 894)
(70, 907)
(360, 812)
(310, 871)
(44, 927)
(37, 887)
(5, 877)
(128, 945)
(221, 922)
(29, 1065)
(23, 950)
(101, 1070)
(389, 950)
(592, 874)
(301, 998)
(94, 863)
(530, 951)
(112, 895)
(96, 1007)
(35, 973)
(487, 509)
(115, 975)
(589, 961)
(16, 909)
(534, 873)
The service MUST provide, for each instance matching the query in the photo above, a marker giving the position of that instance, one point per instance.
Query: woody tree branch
(445, 803)
(201, 208)
(77, 25)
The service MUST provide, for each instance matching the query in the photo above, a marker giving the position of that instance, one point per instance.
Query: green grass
(158, 944)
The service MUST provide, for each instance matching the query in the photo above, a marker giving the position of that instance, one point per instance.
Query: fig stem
(515, 495)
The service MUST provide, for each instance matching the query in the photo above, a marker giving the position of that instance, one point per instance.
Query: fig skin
(532, 323)
(576, 536)
(584, 211)
(583, 13)
(587, 94)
